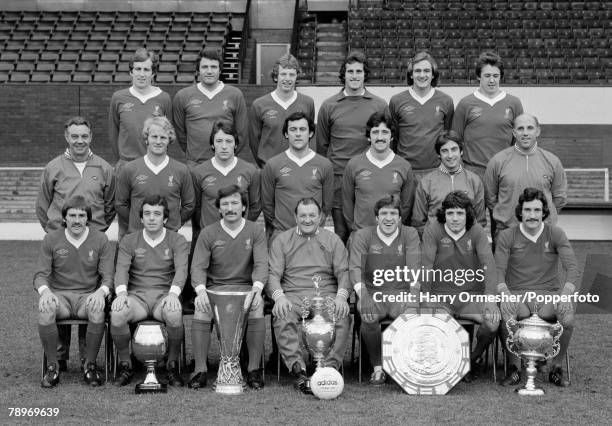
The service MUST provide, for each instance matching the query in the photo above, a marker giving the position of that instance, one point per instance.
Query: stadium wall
(236, 6)
(576, 122)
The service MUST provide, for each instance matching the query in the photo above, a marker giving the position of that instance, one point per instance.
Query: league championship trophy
(149, 346)
(318, 327)
(533, 339)
(230, 305)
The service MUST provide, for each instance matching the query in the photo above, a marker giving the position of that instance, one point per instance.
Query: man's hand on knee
(257, 299)
(96, 301)
(341, 307)
(201, 302)
(48, 302)
(365, 305)
(508, 309)
(282, 307)
(171, 302)
(121, 302)
(492, 312)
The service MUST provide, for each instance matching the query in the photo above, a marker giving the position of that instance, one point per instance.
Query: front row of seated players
(73, 277)
(151, 270)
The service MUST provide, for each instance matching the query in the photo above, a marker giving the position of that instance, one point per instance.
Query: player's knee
(120, 318)
(567, 321)
(96, 317)
(172, 318)
(257, 313)
(490, 326)
(202, 316)
(46, 318)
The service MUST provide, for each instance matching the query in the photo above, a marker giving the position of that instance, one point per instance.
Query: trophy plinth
(149, 346)
(230, 305)
(533, 340)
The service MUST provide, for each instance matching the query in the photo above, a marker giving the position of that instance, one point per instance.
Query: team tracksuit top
(420, 125)
(511, 171)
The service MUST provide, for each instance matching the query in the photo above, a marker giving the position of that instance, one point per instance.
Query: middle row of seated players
(152, 268)
(294, 174)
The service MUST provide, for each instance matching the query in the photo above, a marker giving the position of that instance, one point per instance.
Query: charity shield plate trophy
(149, 345)
(230, 305)
(533, 340)
(318, 328)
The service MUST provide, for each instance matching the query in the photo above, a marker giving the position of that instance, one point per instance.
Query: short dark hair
(213, 55)
(227, 128)
(381, 117)
(298, 115)
(352, 57)
(423, 56)
(76, 202)
(226, 191)
(155, 200)
(77, 120)
(307, 201)
(142, 55)
(531, 194)
(457, 200)
(448, 136)
(489, 58)
(287, 61)
(390, 201)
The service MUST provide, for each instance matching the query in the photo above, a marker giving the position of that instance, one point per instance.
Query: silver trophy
(533, 339)
(319, 330)
(230, 305)
(149, 345)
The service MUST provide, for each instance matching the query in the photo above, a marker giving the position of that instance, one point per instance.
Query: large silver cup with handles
(533, 339)
(149, 345)
(230, 305)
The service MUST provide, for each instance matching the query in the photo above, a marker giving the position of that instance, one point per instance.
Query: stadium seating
(86, 45)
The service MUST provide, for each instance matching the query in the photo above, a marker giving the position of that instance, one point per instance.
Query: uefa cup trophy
(533, 339)
(318, 328)
(230, 305)
(149, 346)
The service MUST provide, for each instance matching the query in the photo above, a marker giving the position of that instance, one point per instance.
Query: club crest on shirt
(508, 114)
(141, 179)
(140, 252)
(171, 180)
(365, 174)
(218, 243)
(157, 111)
(90, 256)
(271, 114)
(94, 177)
(126, 107)
(547, 248)
(376, 249)
(62, 252)
(285, 171)
(400, 248)
(225, 105)
(167, 253)
(239, 181)
(438, 112)
(468, 245)
(395, 178)
(248, 245)
(195, 102)
(314, 174)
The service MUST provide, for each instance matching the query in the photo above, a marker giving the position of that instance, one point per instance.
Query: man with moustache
(527, 257)
(422, 112)
(341, 127)
(297, 256)
(520, 166)
(297, 173)
(73, 278)
(376, 171)
(269, 112)
(449, 176)
(232, 251)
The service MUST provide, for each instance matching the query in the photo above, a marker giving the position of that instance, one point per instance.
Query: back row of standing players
(411, 143)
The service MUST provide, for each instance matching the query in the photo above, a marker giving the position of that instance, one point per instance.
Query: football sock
(93, 340)
(49, 337)
(484, 337)
(175, 339)
(564, 341)
(121, 337)
(370, 334)
(255, 337)
(200, 338)
(63, 347)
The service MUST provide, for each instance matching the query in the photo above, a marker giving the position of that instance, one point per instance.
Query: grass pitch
(587, 401)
